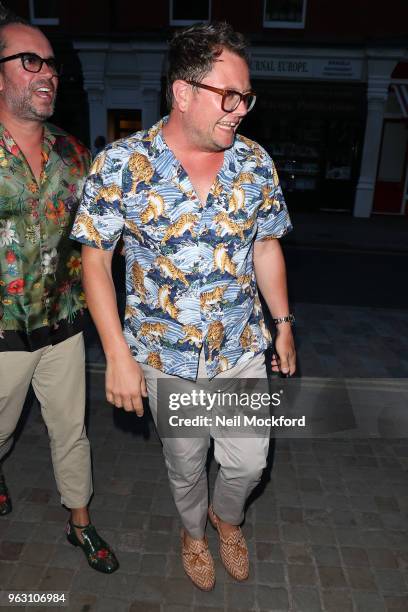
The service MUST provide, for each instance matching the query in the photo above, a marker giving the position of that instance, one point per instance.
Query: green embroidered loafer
(5, 499)
(97, 552)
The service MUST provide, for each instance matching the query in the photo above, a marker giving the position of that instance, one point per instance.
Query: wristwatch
(288, 319)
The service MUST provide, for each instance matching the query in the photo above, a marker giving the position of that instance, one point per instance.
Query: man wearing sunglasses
(200, 209)
(41, 299)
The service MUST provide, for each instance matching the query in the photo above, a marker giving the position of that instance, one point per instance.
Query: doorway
(123, 123)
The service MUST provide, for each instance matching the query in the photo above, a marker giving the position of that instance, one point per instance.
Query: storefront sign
(312, 68)
(272, 66)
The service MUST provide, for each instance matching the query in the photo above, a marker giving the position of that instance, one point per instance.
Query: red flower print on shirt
(16, 287)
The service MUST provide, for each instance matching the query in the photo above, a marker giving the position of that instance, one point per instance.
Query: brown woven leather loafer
(233, 550)
(198, 563)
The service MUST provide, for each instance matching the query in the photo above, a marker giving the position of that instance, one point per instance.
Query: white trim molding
(121, 76)
(380, 63)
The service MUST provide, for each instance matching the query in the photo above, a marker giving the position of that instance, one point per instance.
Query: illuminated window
(185, 12)
(123, 123)
(44, 12)
(285, 13)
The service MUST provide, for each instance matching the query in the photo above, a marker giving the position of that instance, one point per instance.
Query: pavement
(387, 233)
(327, 527)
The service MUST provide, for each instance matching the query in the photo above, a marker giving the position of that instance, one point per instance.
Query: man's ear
(182, 94)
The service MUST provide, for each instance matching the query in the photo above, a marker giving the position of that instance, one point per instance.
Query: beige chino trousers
(57, 374)
(241, 460)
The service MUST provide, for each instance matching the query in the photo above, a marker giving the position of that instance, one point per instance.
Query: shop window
(284, 13)
(185, 12)
(44, 12)
(314, 133)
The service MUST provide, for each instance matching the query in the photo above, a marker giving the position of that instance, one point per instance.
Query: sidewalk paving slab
(327, 533)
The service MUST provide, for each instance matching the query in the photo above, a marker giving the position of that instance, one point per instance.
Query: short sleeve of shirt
(100, 218)
(273, 217)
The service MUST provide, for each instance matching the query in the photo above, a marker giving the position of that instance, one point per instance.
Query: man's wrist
(283, 329)
(118, 352)
(286, 320)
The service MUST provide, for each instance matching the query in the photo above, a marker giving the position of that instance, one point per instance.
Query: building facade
(332, 85)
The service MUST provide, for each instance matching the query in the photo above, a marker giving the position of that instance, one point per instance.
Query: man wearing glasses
(41, 299)
(200, 209)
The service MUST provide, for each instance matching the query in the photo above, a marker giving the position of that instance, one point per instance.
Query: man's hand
(284, 358)
(125, 384)
(270, 272)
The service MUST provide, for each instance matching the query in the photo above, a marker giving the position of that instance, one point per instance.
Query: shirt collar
(166, 163)
(155, 134)
(165, 157)
(50, 134)
(7, 141)
(49, 138)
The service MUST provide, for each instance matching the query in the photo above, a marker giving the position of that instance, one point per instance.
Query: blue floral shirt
(190, 279)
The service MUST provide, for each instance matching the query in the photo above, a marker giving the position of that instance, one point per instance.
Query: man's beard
(22, 106)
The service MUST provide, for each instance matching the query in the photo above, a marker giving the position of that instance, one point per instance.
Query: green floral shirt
(40, 267)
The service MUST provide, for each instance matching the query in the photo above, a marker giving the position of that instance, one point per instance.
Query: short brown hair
(193, 51)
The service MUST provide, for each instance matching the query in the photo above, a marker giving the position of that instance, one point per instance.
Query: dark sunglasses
(33, 62)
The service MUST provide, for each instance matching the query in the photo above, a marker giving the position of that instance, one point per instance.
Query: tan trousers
(57, 374)
(241, 460)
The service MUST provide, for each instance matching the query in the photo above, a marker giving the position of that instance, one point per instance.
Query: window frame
(185, 22)
(41, 20)
(294, 25)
